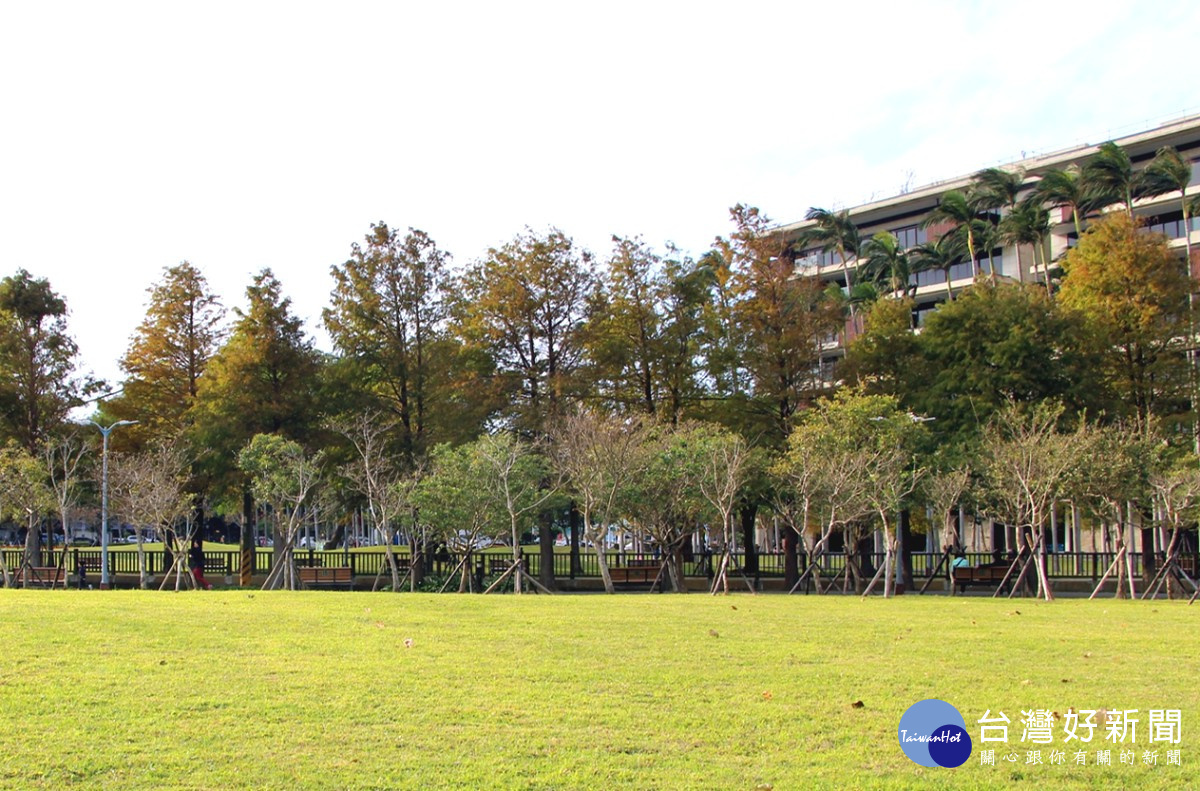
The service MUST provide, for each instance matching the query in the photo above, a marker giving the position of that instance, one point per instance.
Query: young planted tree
(24, 497)
(456, 499)
(723, 469)
(525, 485)
(1027, 463)
(375, 477)
(1119, 458)
(1175, 490)
(822, 473)
(665, 502)
(64, 459)
(149, 491)
(285, 479)
(596, 455)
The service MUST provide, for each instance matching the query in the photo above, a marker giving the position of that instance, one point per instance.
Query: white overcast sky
(246, 135)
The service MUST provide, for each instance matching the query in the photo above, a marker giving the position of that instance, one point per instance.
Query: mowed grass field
(242, 689)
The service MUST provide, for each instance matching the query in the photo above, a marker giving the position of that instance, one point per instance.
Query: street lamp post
(105, 582)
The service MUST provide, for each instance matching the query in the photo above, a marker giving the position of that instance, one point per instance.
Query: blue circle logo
(933, 733)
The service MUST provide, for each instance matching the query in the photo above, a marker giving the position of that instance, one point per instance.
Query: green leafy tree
(887, 356)
(265, 379)
(38, 385)
(167, 357)
(625, 336)
(387, 316)
(526, 304)
(1001, 343)
(1131, 291)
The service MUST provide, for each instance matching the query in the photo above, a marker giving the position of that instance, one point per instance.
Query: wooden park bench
(636, 571)
(327, 576)
(40, 576)
(988, 575)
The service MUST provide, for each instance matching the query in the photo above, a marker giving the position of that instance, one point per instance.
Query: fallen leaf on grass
(767, 695)
(408, 642)
(380, 624)
(713, 632)
(858, 704)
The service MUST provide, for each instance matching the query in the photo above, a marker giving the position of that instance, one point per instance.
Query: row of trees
(429, 361)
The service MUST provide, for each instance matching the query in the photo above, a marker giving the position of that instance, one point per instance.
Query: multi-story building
(904, 215)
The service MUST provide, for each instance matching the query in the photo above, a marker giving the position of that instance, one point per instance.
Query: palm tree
(956, 208)
(943, 254)
(1111, 178)
(1170, 172)
(1069, 188)
(885, 261)
(996, 188)
(1029, 223)
(836, 232)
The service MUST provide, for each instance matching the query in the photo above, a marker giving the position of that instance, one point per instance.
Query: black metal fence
(1072, 565)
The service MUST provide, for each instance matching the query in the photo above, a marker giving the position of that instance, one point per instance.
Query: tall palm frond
(833, 231)
(1066, 188)
(995, 188)
(943, 254)
(1028, 223)
(956, 208)
(884, 261)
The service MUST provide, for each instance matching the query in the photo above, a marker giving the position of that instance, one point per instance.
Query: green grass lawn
(239, 689)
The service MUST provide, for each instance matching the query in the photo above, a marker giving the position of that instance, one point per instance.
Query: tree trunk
(392, 563)
(747, 515)
(791, 565)
(33, 548)
(143, 577)
(246, 568)
(546, 550)
(1149, 565)
(576, 525)
(904, 528)
(675, 569)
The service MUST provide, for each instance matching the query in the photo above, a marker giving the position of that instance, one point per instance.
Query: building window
(909, 236)
(1170, 225)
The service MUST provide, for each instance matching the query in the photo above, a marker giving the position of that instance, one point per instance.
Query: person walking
(196, 564)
